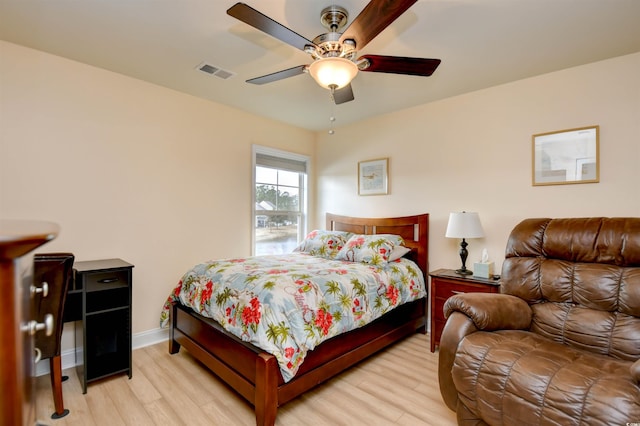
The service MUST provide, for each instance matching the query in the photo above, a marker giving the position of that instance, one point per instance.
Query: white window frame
(304, 189)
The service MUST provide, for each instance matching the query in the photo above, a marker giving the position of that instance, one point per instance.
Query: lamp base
(463, 257)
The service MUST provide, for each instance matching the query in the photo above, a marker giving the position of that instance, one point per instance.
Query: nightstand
(101, 298)
(444, 284)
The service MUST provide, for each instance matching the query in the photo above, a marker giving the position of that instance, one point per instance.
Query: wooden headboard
(413, 229)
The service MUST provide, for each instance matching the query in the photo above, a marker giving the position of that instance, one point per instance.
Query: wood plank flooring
(178, 390)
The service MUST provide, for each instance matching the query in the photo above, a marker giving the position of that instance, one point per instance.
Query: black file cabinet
(101, 298)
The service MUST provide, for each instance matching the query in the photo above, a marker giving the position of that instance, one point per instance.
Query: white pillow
(398, 252)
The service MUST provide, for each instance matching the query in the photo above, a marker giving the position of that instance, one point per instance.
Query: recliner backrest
(581, 277)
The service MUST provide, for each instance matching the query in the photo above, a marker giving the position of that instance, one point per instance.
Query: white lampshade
(336, 72)
(464, 225)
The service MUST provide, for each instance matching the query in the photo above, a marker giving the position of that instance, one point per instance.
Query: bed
(257, 375)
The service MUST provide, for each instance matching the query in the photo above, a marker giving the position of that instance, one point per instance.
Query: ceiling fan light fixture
(333, 72)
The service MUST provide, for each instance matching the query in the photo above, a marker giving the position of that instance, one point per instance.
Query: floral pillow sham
(373, 249)
(326, 244)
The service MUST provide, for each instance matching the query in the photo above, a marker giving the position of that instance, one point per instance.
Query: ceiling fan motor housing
(328, 45)
(334, 18)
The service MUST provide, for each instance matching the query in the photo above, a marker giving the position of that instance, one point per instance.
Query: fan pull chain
(332, 117)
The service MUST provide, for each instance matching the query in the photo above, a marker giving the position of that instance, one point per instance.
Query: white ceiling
(481, 43)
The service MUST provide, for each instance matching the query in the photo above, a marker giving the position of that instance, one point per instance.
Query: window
(280, 200)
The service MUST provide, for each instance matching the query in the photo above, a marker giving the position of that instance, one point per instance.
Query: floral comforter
(289, 304)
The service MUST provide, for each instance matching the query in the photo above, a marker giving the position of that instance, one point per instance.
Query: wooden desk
(101, 303)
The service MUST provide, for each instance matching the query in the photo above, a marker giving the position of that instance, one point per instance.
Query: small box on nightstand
(483, 269)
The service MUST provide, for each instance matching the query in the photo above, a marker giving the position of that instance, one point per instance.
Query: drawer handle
(34, 326)
(108, 280)
(458, 292)
(44, 290)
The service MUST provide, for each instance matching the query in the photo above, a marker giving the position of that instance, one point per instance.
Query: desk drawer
(107, 280)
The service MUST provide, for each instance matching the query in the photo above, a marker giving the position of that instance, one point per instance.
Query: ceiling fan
(334, 54)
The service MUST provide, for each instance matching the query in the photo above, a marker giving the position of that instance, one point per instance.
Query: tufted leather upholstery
(561, 343)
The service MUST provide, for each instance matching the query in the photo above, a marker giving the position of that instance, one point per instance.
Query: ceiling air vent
(215, 71)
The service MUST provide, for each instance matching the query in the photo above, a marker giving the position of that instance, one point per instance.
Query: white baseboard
(138, 340)
(149, 337)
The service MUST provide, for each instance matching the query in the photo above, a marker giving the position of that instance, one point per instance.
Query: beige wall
(473, 153)
(162, 179)
(128, 169)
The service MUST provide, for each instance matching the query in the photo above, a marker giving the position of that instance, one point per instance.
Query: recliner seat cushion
(518, 377)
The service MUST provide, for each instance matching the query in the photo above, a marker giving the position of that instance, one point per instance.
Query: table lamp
(464, 225)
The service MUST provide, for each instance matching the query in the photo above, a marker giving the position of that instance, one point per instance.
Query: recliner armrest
(468, 313)
(490, 311)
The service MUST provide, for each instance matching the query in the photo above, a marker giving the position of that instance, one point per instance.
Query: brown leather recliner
(561, 344)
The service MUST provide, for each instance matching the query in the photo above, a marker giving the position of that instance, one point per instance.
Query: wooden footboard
(255, 374)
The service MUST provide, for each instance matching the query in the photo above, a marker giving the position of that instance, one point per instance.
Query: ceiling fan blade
(401, 65)
(250, 16)
(374, 18)
(279, 75)
(343, 95)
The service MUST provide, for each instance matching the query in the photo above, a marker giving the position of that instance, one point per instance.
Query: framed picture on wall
(566, 156)
(373, 177)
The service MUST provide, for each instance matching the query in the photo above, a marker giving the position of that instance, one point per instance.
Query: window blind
(281, 163)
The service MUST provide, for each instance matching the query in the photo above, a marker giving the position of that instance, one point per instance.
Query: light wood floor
(177, 390)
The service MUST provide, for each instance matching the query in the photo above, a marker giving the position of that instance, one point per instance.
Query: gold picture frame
(566, 156)
(373, 177)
